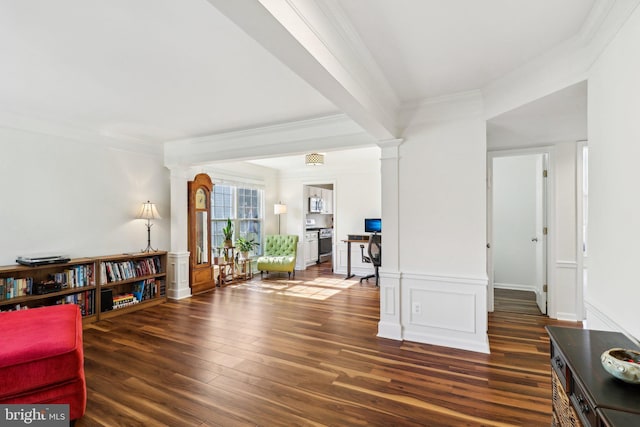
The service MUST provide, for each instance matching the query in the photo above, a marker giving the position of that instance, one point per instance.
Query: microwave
(316, 205)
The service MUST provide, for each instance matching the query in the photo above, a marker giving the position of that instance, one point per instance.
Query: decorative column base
(390, 325)
(178, 275)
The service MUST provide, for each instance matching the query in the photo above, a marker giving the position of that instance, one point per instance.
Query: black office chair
(374, 250)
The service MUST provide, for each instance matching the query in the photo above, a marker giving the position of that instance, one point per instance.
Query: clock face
(201, 199)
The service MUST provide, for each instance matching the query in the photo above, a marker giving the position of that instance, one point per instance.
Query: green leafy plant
(245, 245)
(227, 230)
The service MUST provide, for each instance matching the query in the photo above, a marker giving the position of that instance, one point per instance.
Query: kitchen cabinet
(322, 193)
(327, 197)
(310, 248)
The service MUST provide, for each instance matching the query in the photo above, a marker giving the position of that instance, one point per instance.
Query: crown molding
(566, 64)
(76, 134)
(442, 108)
(329, 132)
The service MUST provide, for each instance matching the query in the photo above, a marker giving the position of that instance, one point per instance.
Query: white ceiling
(429, 48)
(558, 117)
(159, 70)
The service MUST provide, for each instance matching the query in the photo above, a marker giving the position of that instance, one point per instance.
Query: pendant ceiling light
(314, 159)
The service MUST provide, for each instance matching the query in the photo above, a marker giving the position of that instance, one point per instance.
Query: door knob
(535, 239)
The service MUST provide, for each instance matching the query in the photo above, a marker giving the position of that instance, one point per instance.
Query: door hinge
(544, 288)
(545, 231)
(544, 173)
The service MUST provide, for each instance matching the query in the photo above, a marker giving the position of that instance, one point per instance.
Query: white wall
(614, 174)
(442, 279)
(514, 219)
(74, 198)
(443, 198)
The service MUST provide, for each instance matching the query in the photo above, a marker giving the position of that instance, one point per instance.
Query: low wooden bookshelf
(84, 281)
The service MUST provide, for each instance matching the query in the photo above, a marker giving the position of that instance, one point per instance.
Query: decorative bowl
(623, 364)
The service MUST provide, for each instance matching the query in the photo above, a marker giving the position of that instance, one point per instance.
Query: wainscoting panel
(390, 325)
(565, 291)
(178, 275)
(445, 310)
(442, 309)
(357, 266)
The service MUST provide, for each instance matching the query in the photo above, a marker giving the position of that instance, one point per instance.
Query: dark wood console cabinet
(583, 393)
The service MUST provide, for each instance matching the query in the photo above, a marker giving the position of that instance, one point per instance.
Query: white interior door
(540, 232)
(518, 219)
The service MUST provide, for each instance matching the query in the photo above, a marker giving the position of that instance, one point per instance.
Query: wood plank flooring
(516, 301)
(304, 352)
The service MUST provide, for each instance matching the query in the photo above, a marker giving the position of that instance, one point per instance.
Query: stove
(325, 244)
(326, 232)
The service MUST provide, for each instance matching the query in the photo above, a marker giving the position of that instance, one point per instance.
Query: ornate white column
(178, 257)
(390, 321)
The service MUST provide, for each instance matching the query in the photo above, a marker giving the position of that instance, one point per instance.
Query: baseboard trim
(515, 287)
(480, 347)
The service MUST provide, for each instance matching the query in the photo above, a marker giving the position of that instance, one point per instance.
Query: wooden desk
(349, 242)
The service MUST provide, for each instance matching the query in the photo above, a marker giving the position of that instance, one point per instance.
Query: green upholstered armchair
(279, 254)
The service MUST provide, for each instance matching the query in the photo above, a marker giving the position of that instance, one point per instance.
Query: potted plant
(227, 231)
(245, 246)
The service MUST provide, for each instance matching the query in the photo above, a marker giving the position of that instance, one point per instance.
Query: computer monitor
(372, 225)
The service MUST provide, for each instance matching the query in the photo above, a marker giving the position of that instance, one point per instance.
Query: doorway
(517, 227)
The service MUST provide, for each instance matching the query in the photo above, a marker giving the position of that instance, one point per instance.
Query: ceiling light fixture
(314, 159)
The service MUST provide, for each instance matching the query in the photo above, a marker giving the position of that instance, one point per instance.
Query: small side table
(227, 267)
(245, 269)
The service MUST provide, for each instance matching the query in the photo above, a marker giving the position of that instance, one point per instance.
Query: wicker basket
(563, 413)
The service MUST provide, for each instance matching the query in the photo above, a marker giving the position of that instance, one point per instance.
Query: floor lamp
(149, 212)
(279, 209)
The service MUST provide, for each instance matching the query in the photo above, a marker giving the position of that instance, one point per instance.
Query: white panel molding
(430, 315)
(330, 132)
(466, 280)
(445, 310)
(390, 325)
(178, 275)
(567, 264)
(358, 268)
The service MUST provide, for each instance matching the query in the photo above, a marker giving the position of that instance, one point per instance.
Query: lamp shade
(279, 208)
(314, 159)
(149, 211)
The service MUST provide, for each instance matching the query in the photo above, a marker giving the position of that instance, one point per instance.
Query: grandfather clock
(199, 204)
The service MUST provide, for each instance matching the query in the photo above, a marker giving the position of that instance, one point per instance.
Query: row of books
(75, 277)
(15, 287)
(124, 300)
(116, 271)
(86, 301)
(145, 289)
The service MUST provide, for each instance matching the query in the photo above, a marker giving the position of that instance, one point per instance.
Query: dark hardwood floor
(304, 352)
(516, 301)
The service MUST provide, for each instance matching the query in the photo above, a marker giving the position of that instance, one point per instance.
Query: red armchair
(41, 358)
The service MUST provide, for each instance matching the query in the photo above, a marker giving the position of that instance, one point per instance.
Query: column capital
(389, 147)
